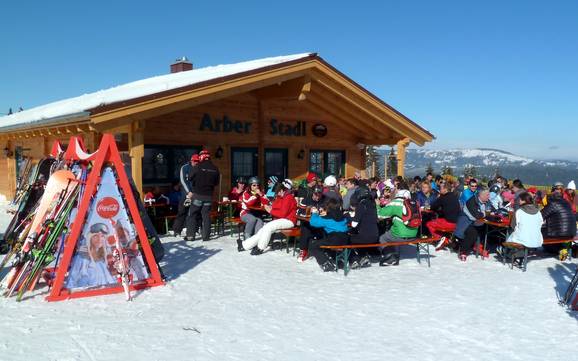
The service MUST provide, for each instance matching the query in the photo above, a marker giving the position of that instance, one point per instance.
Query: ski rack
(106, 154)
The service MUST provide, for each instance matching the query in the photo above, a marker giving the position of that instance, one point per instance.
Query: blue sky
(500, 74)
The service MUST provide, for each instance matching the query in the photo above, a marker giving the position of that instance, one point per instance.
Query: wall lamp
(301, 154)
(219, 153)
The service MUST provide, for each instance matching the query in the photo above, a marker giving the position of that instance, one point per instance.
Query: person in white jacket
(527, 222)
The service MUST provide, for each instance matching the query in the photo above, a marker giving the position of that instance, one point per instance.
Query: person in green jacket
(399, 231)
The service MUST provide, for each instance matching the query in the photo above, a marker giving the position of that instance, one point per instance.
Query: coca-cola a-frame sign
(108, 209)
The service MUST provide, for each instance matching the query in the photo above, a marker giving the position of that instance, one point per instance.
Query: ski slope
(223, 305)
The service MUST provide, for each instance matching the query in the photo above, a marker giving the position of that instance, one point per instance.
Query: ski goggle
(99, 228)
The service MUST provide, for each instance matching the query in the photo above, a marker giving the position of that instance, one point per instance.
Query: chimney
(182, 64)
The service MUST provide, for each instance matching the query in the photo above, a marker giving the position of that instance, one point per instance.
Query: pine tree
(447, 170)
(429, 169)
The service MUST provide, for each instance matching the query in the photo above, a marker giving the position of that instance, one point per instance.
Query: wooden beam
(367, 127)
(369, 105)
(336, 118)
(202, 95)
(290, 89)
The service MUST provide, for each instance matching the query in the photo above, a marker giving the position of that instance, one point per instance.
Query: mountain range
(488, 162)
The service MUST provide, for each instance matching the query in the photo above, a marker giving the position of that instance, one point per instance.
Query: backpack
(412, 218)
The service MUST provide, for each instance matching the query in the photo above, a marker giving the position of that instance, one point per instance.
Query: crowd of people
(333, 211)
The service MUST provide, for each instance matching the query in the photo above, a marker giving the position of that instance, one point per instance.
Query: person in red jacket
(284, 213)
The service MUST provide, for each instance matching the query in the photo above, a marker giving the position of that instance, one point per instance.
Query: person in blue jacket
(469, 192)
(334, 225)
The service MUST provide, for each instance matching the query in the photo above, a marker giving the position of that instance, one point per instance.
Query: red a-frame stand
(107, 154)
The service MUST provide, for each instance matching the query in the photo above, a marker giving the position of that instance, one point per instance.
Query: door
(276, 163)
(244, 163)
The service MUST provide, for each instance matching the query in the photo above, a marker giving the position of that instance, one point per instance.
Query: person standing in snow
(187, 194)
(204, 178)
(284, 212)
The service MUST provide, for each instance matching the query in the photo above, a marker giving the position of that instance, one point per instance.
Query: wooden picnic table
(499, 228)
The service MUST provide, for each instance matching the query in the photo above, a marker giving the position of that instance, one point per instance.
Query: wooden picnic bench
(343, 252)
(521, 251)
(291, 234)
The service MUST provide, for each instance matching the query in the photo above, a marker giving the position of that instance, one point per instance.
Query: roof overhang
(309, 79)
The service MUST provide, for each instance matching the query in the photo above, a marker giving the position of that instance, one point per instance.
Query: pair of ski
(47, 226)
(565, 301)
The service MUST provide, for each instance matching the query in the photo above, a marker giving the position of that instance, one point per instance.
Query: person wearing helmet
(312, 202)
(284, 213)
(187, 194)
(364, 224)
(253, 197)
(204, 178)
(331, 190)
(399, 231)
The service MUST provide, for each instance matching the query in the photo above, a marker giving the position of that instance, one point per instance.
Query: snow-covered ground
(223, 305)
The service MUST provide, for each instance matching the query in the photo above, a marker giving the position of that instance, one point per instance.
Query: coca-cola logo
(107, 207)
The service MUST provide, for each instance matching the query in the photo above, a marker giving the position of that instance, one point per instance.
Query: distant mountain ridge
(488, 161)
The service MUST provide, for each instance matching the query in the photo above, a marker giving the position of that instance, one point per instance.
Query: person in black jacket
(364, 223)
(314, 200)
(559, 220)
(187, 193)
(447, 207)
(204, 178)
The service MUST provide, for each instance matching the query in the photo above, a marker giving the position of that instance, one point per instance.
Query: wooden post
(11, 170)
(261, 140)
(136, 151)
(385, 160)
(401, 145)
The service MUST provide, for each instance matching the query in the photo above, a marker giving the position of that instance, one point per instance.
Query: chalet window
(161, 164)
(326, 162)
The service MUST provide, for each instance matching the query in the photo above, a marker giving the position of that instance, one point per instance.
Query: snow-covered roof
(78, 106)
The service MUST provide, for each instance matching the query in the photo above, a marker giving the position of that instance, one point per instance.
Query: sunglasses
(473, 186)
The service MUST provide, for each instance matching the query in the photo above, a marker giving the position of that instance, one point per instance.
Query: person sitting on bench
(399, 231)
(560, 220)
(334, 223)
(526, 223)
(284, 212)
(314, 199)
(470, 221)
(447, 206)
(364, 223)
(253, 197)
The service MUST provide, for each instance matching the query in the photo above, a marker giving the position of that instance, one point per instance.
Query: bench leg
(346, 253)
(294, 245)
(525, 260)
(418, 249)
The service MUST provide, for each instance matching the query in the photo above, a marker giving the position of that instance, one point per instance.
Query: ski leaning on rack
(44, 254)
(58, 189)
